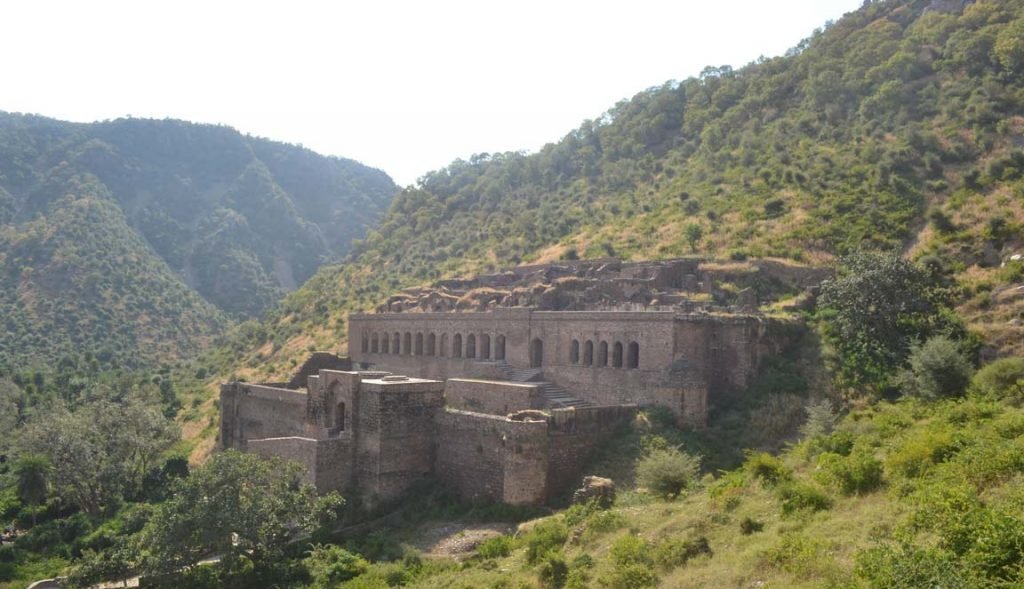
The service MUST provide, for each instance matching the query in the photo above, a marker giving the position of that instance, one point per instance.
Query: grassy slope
(951, 482)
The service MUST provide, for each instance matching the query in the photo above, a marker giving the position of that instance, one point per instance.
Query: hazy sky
(403, 86)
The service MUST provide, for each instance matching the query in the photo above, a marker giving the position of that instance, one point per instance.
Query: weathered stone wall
(250, 411)
(680, 361)
(316, 362)
(395, 430)
(491, 457)
(298, 449)
(573, 436)
(590, 373)
(334, 464)
(494, 397)
(486, 331)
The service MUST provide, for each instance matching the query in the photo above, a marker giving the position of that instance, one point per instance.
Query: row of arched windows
(631, 359)
(431, 345)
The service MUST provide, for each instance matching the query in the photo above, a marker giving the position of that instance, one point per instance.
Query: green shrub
(602, 522)
(938, 368)
(1004, 377)
(632, 576)
(1009, 426)
(675, 552)
(667, 472)
(750, 526)
(766, 468)
(497, 547)
(821, 418)
(802, 497)
(330, 565)
(840, 442)
(858, 473)
(910, 567)
(922, 450)
(630, 549)
(546, 536)
(553, 571)
(795, 553)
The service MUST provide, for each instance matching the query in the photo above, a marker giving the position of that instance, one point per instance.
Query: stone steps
(557, 397)
(524, 374)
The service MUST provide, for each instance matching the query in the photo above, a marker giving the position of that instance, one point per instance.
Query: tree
(938, 368)
(667, 472)
(31, 474)
(694, 233)
(101, 452)
(875, 308)
(244, 508)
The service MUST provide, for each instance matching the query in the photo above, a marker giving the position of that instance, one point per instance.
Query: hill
(140, 239)
(901, 126)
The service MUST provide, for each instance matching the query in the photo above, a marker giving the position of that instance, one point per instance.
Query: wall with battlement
(494, 397)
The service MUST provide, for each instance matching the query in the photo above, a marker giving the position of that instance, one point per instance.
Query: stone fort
(501, 386)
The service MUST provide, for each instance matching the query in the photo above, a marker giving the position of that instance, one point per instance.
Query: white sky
(403, 86)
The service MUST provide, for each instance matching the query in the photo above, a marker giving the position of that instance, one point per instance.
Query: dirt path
(456, 540)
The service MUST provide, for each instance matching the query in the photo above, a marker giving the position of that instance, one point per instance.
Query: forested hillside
(899, 126)
(884, 450)
(138, 240)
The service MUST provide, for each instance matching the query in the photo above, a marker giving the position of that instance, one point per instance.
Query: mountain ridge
(239, 221)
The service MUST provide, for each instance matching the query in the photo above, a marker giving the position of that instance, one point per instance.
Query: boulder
(595, 488)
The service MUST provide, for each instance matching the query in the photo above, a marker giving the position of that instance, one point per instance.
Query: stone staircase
(555, 396)
(559, 398)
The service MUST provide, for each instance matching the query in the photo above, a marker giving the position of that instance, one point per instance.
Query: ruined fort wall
(494, 397)
(573, 437)
(725, 352)
(334, 464)
(395, 431)
(437, 345)
(250, 411)
(591, 373)
(490, 457)
(298, 449)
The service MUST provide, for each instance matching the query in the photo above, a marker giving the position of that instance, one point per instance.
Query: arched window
(499, 348)
(471, 346)
(444, 344)
(588, 353)
(617, 355)
(385, 344)
(407, 344)
(419, 344)
(396, 346)
(374, 343)
(602, 354)
(574, 352)
(457, 346)
(366, 344)
(431, 345)
(633, 355)
(485, 347)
